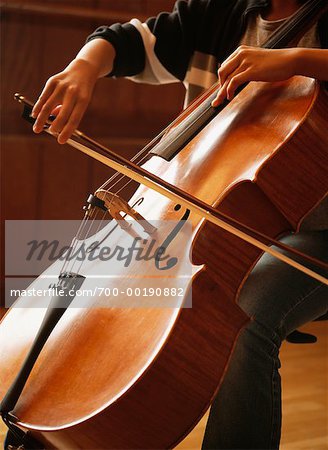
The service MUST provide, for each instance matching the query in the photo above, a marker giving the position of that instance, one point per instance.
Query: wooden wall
(41, 179)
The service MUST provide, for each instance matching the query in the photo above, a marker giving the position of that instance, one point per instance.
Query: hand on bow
(68, 93)
(253, 64)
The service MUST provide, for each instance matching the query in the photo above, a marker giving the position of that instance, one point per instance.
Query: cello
(174, 358)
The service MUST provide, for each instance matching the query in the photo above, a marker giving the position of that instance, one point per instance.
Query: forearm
(100, 54)
(312, 62)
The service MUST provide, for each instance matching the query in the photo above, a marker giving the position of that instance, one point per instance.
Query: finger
(228, 67)
(65, 111)
(46, 93)
(45, 112)
(221, 95)
(74, 121)
(56, 110)
(236, 81)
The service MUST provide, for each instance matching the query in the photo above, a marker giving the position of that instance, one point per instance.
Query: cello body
(141, 378)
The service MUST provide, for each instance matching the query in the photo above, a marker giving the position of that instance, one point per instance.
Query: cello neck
(203, 113)
(294, 28)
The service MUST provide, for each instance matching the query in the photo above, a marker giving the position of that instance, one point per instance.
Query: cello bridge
(118, 208)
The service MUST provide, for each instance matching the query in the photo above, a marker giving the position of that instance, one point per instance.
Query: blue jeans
(246, 413)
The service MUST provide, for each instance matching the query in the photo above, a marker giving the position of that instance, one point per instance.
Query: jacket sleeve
(159, 50)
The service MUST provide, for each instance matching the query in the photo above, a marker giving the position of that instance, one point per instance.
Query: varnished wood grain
(304, 374)
(123, 114)
(180, 383)
(128, 406)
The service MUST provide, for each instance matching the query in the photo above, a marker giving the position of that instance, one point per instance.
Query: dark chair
(298, 337)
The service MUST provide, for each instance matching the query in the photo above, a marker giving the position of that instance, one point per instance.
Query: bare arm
(68, 93)
(257, 64)
(312, 62)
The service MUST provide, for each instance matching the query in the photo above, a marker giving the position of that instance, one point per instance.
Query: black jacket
(212, 27)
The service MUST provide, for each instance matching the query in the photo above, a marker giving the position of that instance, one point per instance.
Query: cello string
(95, 213)
(294, 22)
(88, 218)
(77, 238)
(298, 16)
(142, 152)
(111, 183)
(78, 271)
(108, 233)
(84, 144)
(91, 219)
(101, 221)
(141, 155)
(74, 244)
(281, 33)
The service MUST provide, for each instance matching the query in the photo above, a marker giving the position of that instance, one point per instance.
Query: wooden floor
(305, 396)
(304, 375)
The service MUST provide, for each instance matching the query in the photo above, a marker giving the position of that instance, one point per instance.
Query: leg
(247, 411)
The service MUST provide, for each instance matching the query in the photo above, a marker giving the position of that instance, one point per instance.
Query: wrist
(100, 55)
(82, 64)
(298, 61)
